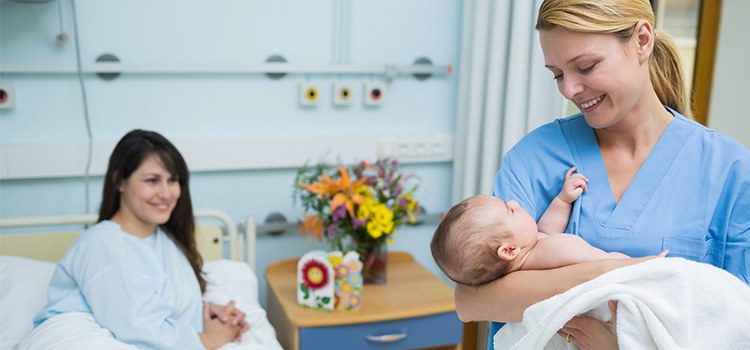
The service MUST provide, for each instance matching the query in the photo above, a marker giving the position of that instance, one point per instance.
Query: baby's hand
(574, 185)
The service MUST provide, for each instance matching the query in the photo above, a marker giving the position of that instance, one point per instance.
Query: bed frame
(51, 245)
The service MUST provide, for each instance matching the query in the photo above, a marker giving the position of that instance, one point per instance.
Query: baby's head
(480, 239)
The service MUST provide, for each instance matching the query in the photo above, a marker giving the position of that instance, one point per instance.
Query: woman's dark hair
(130, 152)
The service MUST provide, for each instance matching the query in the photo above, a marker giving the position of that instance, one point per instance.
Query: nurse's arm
(506, 299)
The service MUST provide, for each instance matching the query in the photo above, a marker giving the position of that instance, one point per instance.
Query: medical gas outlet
(343, 94)
(374, 94)
(6, 96)
(309, 94)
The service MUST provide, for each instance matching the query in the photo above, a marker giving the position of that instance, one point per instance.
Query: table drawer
(417, 332)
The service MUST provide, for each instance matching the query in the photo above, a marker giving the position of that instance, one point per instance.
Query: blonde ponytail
(666, 74)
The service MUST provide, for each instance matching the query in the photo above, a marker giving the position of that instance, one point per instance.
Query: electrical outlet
(309, 94)
(374, 93)
(6, 96)
(414, 146)
(343, 94)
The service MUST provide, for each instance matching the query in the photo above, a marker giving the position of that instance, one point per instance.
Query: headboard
(51, 246)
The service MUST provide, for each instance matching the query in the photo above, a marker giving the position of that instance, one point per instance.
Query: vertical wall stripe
(504, 90)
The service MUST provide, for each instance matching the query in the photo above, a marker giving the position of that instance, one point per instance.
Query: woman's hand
(230, 314)
(215, 332)
(590, 333)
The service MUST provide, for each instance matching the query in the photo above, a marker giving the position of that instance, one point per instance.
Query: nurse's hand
(590, 333)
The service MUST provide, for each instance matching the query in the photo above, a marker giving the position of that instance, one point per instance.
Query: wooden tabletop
(410, 291)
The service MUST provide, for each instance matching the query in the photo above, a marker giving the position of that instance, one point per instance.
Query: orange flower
(343, 191)
(312, 224)
(325, 187)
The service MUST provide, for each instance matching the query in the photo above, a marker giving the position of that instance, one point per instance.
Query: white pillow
(23, 293)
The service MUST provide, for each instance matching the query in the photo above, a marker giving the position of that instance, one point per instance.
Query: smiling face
(603, 76)
(147, 198)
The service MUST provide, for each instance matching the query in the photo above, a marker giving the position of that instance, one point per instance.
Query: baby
(484, 238)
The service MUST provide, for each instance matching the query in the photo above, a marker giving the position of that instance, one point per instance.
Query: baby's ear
(507, 251)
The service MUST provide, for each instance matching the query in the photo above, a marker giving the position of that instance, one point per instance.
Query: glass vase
(374, 263)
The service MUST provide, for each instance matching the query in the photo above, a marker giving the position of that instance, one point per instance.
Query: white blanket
(669, 303)
(226, 280)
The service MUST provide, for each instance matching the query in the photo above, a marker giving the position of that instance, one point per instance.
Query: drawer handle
(386, 338)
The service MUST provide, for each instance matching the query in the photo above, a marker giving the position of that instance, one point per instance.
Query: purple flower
(357, 223)
(371, 181)
(397, 191)
(332, 230)
(402, 203)
(338, 214)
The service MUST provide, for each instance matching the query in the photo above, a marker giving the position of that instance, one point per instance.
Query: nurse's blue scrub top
(691, 195)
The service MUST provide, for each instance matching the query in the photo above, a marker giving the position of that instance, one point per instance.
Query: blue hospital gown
(143, 290)
(691, 195)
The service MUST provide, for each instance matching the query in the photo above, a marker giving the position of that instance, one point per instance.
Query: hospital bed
(30, 247)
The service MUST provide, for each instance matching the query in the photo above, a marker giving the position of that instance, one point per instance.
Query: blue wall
(48, 108)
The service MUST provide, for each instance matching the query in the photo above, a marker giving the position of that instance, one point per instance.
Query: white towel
(668, 303)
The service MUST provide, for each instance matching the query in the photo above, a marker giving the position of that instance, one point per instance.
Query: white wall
(212, 115)
(730, 95)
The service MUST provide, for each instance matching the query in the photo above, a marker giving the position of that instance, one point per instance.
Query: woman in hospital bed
(135, 276)
(657, 179)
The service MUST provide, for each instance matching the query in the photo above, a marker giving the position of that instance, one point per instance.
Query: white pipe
(250, 236)
(497, 92)
(346, 17)
(335, 32)
(91, 219)
(517, 97)
(476, 98)
(10, 68)
(49, 220)
(461, 136)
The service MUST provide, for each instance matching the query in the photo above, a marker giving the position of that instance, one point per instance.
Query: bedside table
(413, 309)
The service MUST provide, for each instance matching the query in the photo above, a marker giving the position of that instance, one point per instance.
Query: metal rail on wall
(276, 224)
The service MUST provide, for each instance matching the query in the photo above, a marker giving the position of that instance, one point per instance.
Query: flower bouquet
(357, 208)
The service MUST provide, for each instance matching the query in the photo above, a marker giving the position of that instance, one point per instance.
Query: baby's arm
(555, 218)
(563, 250)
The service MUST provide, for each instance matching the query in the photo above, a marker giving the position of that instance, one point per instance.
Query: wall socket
(6, 96)
(309, 94)
(374, 93)
(415, 146)
(343, 94)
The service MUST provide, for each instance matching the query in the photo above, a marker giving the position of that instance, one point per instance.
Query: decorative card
(315, 281)
(348, 279)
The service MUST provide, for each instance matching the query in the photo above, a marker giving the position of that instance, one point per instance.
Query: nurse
(657, 179)
(134, 279)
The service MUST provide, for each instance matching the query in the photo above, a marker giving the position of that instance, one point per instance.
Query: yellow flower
(335, 260)
(347, 288)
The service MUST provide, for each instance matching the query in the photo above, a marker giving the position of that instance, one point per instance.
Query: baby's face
(521, 224)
